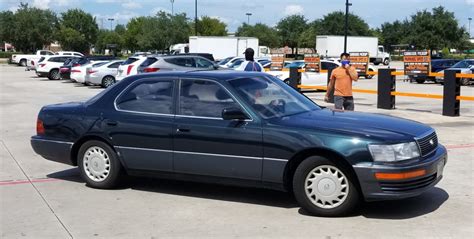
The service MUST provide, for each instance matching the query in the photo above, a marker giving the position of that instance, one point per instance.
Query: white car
(49, 67)
(103, 74)
(32, 61)
(464, 66)
(80, 73)
(129, 67)
(22, 59)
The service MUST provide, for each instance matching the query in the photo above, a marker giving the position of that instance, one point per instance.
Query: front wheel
(386, 61)
(22, 62)
(420, 81)
(108, 81)
(324, 189)
(54, 74)
(99, 165)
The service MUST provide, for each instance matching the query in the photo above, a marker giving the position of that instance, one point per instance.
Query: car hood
(374, 126)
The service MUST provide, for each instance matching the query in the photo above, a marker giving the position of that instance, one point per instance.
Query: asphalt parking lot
(43, 199)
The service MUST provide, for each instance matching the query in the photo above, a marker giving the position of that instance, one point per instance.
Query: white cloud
(63, 2)
(131, 5)
(293, 9)
(41, 4)
(470, 2)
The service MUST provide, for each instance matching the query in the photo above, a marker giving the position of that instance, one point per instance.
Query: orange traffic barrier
(471, 98)
(431, 96)
(464, 75)
(398, 73)
(372, 73)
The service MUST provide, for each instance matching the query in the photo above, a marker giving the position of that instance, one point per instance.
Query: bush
(4, 54)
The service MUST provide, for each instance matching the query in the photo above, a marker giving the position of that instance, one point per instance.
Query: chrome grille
(428, 143)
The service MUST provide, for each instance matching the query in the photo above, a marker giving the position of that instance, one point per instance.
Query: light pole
(195, 17)
(248, 17)
(172, 7)
(111, 22)
(469, 26)
(346, 25)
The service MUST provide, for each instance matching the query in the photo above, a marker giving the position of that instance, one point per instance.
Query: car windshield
(463, 64)
(223, 62)
(130, 60)
(271, 98)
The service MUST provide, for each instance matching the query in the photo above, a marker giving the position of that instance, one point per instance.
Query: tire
(94, 156)
(376, 63)
(22, 62)
(54, 74)
(420, 81)
(465, 81)
(107, 81)
(287, 81)
(369, 76)
(345, 195)
(386, 61)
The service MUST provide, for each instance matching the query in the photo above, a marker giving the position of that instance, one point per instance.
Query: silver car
(103, 74)
(175, 63)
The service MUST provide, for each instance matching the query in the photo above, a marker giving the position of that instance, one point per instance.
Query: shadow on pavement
(394, 210)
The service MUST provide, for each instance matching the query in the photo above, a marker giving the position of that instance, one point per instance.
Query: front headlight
(394, 152)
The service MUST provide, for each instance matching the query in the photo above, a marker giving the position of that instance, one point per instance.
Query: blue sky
(232, 12)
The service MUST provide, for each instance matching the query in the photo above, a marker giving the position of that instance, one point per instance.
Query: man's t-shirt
(250, 66)
(343, 82)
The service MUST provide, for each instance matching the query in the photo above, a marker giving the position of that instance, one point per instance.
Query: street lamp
(172, 7)
(195, 17)
(469, 26)
(248, 17)
(111, 22)
(346, 25)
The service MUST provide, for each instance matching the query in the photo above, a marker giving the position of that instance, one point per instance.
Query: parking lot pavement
(43, 199)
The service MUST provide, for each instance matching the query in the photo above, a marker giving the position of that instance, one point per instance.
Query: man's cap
(249, 51)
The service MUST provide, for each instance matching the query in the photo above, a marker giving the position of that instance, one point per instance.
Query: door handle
(111, 122)
(183, 130)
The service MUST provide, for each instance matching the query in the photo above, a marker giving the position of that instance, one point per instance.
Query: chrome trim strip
(53, 141)
(275, 159)
(185, 152)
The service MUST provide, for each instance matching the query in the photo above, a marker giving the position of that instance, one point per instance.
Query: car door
(205, 144)
(141, 124)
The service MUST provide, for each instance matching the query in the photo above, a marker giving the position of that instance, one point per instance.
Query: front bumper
(373, 189)
(54, 150)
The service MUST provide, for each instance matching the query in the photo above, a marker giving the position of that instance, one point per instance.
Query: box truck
(333, 46)
(220, 47)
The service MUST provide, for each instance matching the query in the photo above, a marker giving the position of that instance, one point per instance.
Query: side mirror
(233, 114)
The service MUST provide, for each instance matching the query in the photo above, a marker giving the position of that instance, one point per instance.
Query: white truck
(221, 47)
(333, 46)
(22, 59)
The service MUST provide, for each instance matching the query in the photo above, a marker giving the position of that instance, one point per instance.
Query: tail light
(42, 65)
(129, 69)
(62, 70)
(151, 69)
(75, 64)
(39, 127)
(91, 71)
(76, 71)
(32, 63)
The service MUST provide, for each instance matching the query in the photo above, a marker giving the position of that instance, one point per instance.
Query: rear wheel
(22, 62)
(54, 74)
(386, 61)
(420, 81)
(369, 76)
(323, 188)
(99, 165)
(108, 81)
(465, 81)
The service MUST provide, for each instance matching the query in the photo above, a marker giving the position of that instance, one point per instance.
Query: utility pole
(111, 22)
(346, 25)
(469, 26)
(172, 7)
(195, 17)
(248, 17)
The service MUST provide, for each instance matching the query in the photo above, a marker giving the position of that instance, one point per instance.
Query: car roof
(219, 75)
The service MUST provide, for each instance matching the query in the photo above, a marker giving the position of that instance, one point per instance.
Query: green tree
(290, 29)
(120, 29)
(392, 34)
(307, 38)
(106, 37)
(76, 22)
(435, 30)
(208, 26)
(266, 35)
(32, 28)
(333, 24)
(7, 22)
(135, 29)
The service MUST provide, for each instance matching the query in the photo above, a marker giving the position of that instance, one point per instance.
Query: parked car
(80, 73)
(103, 74)
(32, 61)
(22, 59)
(175, 62)
(129, 67)
(208, 56)
(65, 70)
(437, 65)
(227, 62)
(49, 66)
(242, 128)
(464, 66)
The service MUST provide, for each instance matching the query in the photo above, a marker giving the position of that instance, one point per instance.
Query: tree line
(29, 29)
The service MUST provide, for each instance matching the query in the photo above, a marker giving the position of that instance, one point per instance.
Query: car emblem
(431, 142)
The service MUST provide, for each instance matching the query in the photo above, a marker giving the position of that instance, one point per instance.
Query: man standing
(341, 81)
(249, 64)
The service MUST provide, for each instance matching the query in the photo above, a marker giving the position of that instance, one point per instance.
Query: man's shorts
(344, 102)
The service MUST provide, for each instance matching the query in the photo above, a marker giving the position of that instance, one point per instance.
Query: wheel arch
(77, 145)
(108, 76)
(330, 154)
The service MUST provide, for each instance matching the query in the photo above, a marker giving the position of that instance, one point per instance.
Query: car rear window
(149, 61)
(130, 60)
(99, 64)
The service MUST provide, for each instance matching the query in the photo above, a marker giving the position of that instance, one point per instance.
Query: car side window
(203, 98)
(77, 54)
(201, 63)
(148, 97)
(115, 65)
